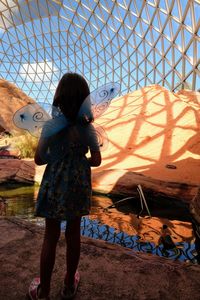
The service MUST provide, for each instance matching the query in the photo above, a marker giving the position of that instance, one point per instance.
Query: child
(65, 190)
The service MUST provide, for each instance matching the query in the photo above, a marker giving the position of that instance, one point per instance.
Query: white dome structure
(133, 42)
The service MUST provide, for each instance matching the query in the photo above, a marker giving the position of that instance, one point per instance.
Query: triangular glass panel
(163, 18)
(167, 44)
(159, 67)
(158, 46)
(158, 77)
(168, 80)
(175, 26)
(133, 58)
(126, 32)
(158, 58)
(133, 20)
(13, 38)
(100, 23)
(5, 47)
(147, 47)
(162, 5)
(101, 60)
(143, 66)
(196, 11)
(3, 68)
(167, 31)
(187, 35)
(144, 15)
(169, 55)
(140, 58)
(156, 35)
(145, 27)
(141, 48)
(175, 10)
(124, 76)
(148, 37)
(139, 6)
(188, 66)
(179, 67)
(122, 12)
(177, 79)
(151, 56)
(138, 29)
(126, 65)
(190, 53)
(151, 10)
(149, 67)
(183, 5)
(156, 23)
(142, 83)
(140, 75)
(150, 77)
(137, 39)
(177, 55)
(188, 19)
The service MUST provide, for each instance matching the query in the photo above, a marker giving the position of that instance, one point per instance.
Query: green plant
(26, 144)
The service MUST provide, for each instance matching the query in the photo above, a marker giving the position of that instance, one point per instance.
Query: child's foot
(70, 292)
(33, 292)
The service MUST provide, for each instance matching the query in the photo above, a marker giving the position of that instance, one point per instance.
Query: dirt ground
(107, 271)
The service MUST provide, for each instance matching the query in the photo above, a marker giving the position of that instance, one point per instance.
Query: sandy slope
(154, 141)
(149, 131)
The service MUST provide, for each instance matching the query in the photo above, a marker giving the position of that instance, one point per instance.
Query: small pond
(119, 224)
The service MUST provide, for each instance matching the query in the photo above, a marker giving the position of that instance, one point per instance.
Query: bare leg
(73, 240)
(48, 253)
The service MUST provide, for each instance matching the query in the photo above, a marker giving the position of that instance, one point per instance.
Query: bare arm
(37, 158)
(41, 154)
(95, 159)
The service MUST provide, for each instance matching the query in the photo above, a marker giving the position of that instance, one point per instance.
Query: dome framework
(133, 42)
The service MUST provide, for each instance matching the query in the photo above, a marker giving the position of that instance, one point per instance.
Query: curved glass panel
(135, 43)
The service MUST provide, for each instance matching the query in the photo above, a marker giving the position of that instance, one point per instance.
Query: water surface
(109, 225)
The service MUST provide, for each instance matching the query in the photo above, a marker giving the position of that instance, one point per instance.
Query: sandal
(70, 292)
(33, 290)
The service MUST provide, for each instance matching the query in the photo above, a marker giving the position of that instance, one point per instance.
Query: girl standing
(65, 190)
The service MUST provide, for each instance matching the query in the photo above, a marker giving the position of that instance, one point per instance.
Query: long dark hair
(70, 94)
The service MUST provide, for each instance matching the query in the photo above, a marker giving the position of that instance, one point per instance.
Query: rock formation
(11, 99)
(154, 139)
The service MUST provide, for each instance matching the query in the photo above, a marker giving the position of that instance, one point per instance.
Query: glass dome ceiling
(133, 42)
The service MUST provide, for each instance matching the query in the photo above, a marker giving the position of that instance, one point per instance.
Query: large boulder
(11, 99)
(153, 138)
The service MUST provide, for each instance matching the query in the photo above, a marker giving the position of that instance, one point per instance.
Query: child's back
(65, 191)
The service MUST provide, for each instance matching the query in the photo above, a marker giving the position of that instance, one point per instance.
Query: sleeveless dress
(65, 190)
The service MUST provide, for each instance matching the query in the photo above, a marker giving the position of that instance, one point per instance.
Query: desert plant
(26, 144)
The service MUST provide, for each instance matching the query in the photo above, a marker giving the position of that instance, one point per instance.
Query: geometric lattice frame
(133, 42)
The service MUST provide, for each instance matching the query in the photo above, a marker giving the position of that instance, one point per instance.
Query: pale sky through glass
(132, 42)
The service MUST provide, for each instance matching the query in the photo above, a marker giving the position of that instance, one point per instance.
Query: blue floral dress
(65, 190)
